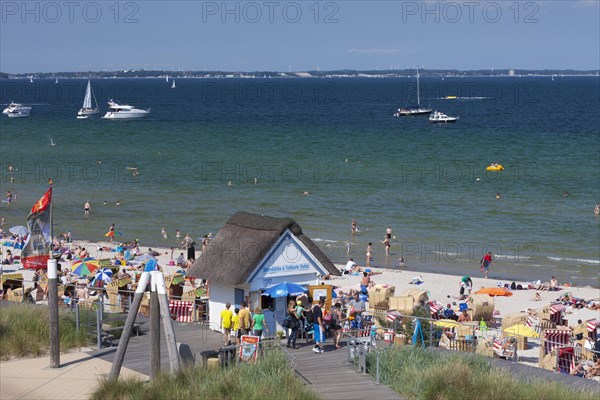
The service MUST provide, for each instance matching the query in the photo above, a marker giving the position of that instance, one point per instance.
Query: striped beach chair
(565, 359)
(556, 314)
(434, 308)
(552, 339)
(592, 327)
(182, 310)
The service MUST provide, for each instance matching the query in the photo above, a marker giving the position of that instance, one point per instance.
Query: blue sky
(48, 36)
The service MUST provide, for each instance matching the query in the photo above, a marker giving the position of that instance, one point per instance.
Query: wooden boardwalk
(328, 373)
(332, 377)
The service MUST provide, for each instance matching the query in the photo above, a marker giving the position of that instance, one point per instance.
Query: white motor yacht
(124, 111)
(439, 117)
(16, 110)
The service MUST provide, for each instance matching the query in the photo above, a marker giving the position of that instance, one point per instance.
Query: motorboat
(414, 110)
(16, 110)
(494, 167)
(87, 109)
(439, 117)
(124, 111)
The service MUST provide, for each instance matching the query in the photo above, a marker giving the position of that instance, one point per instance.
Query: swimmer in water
(597, 209)
(305, 193)
(498, 197)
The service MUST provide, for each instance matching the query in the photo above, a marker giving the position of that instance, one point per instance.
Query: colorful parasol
(85, 267)
(521, 330)
(104, 275)
(113, 233)
(284, 289)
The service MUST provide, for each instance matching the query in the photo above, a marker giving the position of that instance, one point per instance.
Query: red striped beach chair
(565, 359)
(183, 310)
(556, 314)
(434, 308)
(592, 328)
(554, 338)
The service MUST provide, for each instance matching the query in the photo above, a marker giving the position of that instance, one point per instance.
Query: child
(235, 320)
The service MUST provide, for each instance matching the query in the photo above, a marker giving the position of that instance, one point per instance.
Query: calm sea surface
(337, 139)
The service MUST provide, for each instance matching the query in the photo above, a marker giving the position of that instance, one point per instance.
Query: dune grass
(419, 374)
(270, 378)
(24, 331)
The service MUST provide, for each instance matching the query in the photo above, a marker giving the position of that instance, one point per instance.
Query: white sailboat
(414, 110)
(56, 81)
(87, 109)
(173, 85)
(167, 78)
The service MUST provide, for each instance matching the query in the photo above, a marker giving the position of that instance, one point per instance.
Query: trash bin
(208, 354)
(227, 355)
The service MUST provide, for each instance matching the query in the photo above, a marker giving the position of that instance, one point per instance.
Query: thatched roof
(241, 245)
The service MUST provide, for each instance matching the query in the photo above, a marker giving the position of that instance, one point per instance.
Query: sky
(73, 35)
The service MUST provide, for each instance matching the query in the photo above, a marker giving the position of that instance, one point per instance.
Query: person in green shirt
(258, 322)
(226, 316)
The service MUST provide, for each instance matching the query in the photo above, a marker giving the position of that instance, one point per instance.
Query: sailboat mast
(418, 87)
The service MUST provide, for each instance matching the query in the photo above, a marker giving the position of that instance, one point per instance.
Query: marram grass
(270, 378)
(419, 374)
(24, 331)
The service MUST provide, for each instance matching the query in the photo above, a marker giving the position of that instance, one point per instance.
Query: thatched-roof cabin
(252, 253)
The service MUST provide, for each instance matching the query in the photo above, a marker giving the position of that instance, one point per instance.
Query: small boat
(87, 109)
(494, 167)
(450, 97)
(173, 85)
(31, 79)
(56, 81)
(414, 110)
(440, 118)
(167, 78)
(16, 110)
(124, 111)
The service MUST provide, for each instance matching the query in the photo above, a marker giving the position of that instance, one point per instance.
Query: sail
(87, 101)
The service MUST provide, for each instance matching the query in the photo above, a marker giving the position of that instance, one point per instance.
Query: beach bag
(287, 322)
(310, 316)
(513, 286)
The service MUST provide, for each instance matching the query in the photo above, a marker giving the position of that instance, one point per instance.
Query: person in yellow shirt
(226, 316)
(235, 320)
(245, 319)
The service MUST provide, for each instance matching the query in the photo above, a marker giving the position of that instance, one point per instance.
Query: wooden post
(166, 319)
(53, 313)
(128, 329)
(154, 333)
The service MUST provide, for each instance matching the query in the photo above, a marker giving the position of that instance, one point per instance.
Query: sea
(324, 151)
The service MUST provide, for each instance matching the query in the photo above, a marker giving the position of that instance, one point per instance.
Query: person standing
(258, 323)
(177, 234)
(354, 226)
(226, 317)
(86, 208)
(388, 232)
(188, 243)
(9, 197)
(294, 325)
(337, 321)
(318, 326)
(163, 232)
(369, 254)
(386, 243)
(485, 264)
(245, 319)
(357, 307)
(364, 283)
(111, 232)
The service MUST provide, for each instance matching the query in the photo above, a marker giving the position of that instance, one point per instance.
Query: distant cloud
(587, 3)
(388, 52)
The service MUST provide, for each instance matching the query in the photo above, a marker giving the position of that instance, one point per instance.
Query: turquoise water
(428, 182)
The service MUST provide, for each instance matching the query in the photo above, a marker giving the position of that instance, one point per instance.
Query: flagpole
(53, 320)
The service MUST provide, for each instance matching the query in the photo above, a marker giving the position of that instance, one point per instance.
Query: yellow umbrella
(521, 330)
(446, 323)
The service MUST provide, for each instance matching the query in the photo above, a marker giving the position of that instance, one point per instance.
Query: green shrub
(24, 331)
(270, 378)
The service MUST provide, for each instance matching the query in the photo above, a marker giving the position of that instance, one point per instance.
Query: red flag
(36, 252)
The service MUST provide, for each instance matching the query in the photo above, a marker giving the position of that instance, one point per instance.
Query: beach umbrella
(113, 233)
(446, 323)
(145, 258)
(84, 267)
(521, 330)
(495, 291)
(19, 230)
(284, 289)
(104, 275)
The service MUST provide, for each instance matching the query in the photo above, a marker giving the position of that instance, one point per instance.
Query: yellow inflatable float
(495, 167)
